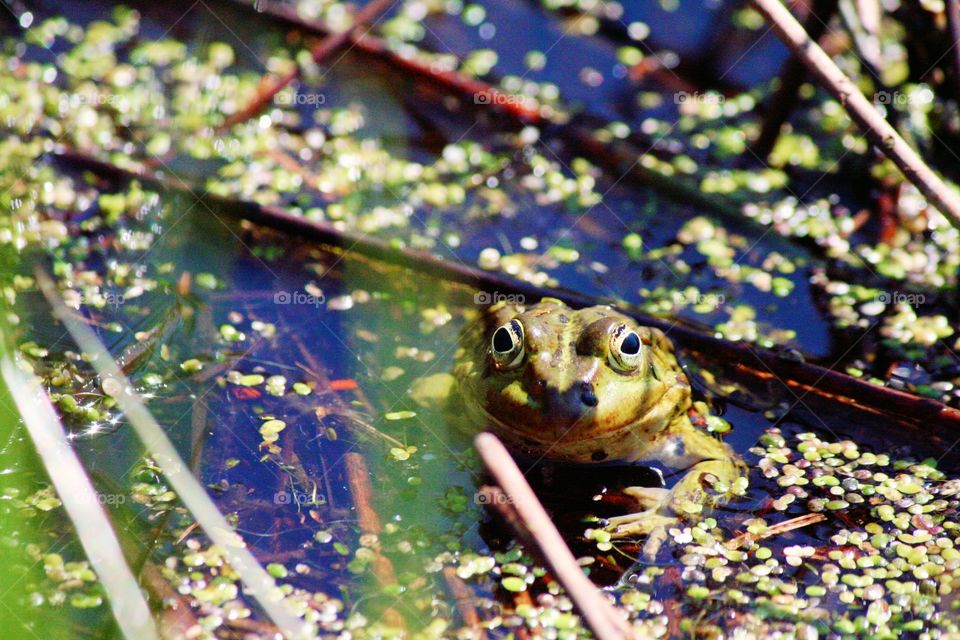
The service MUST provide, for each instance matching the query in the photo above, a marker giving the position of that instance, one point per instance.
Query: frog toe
(643, 523)
(651, 524)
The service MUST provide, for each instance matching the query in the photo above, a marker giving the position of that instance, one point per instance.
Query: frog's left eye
(506, 345)
(626, 351)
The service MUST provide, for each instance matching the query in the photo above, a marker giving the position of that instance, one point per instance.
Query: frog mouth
(563, 435)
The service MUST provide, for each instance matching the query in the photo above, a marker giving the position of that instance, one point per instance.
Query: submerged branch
(466, 602)
(796, 375)
(361, 489)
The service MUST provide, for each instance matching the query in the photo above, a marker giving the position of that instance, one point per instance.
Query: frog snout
(568, 407)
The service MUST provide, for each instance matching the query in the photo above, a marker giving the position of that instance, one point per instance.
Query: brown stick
(776, 530)
(198, 436)
(862, 111)
(605, 622)
(362, 492)
(358, 477)
(270, 87)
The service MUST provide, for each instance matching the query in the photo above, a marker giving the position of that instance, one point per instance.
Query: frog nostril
(587, 396)
(539, 386)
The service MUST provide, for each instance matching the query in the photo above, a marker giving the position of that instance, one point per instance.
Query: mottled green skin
(566, 402)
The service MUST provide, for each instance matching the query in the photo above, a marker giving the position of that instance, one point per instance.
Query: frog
(591, 385)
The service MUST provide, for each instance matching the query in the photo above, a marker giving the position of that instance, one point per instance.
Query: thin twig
(599, 615)
(862, 111)
(775, 530)
(270, 87)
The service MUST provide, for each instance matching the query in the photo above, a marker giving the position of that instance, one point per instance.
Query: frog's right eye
(506, 345)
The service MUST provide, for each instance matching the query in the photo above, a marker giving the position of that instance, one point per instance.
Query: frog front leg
(711, 468)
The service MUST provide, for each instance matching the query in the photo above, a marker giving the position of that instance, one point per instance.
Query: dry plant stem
(800, 377)
(599, 615)
(871, 122)
(270, 86)
(776, 530)
(792, 74)
(466, 602)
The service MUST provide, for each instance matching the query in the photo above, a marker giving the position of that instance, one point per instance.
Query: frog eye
(626, 351)
(506, 345)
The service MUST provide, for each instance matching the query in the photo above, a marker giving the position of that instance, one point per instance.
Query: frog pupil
(630, 345)
(501, 340)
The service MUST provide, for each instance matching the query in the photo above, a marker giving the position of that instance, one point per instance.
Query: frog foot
(651, 523)
(648, 497)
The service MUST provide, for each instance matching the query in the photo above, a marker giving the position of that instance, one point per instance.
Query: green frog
(590, 386)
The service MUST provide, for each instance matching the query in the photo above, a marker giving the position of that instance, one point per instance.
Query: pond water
(374, 334)
(239, 307)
